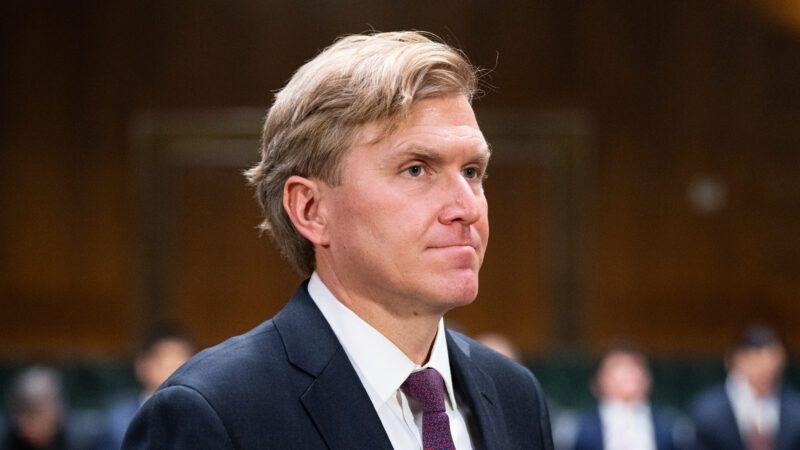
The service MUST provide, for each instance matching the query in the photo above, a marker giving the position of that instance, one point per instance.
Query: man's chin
(460, 291)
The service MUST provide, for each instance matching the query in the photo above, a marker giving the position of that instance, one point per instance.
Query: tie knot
(427, 387)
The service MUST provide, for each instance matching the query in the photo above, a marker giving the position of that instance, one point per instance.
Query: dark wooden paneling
(227, 279)
(676, 90)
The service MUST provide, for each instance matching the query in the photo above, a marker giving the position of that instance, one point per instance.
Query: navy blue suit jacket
(289, 384)
(716, 428)
(590, 431)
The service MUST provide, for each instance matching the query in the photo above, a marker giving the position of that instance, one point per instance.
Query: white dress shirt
(382, 368)
(753, 413)
(627, 426)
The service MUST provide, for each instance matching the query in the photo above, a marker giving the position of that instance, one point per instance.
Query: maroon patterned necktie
(427, 387)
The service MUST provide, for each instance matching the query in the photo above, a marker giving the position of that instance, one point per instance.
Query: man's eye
(471, 172)
(415, 171)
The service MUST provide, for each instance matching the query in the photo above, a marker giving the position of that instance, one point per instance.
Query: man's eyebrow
(417, 152)
(428, 154)
(485, 154)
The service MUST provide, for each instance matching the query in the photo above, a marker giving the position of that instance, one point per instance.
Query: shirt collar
(739, 389)
(381, 366)
(617, 407)
(763, 413)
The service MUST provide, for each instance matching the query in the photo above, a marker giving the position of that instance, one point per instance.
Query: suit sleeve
(177, 417)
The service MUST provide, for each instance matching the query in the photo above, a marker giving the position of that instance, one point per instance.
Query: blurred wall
(689, 200)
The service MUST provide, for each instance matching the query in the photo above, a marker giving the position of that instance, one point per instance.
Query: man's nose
(462, 201)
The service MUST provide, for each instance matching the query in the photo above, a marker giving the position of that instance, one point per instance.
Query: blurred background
(645, 181)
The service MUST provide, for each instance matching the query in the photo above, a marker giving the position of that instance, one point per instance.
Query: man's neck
(743, 386)
(413, 333)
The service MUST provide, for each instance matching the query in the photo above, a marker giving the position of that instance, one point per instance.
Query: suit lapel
(342, 410)
(335, 400)
(474, 386)
(787, 436)
(731, 432)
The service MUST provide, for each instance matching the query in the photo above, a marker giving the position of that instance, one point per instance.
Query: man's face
(39, 425)
(761, 367)
(408, 225)
(622, 377)
(160, 362)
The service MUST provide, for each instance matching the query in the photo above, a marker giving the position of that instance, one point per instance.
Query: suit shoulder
(508, 376)
(714, 395)
(790, 404)
(791, 394)
(489, 360)
(591, 415)
(709, 405)
(227, 363)
(177, 417)
(667, 415)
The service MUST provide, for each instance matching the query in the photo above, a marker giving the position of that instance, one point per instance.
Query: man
(371, 184)
(624, 418)
(162, 351)
(752, 410)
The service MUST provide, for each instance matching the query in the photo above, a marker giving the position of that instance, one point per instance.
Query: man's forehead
(456, 109)
(401, 139)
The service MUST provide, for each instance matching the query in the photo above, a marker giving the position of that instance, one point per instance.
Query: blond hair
(359, 79)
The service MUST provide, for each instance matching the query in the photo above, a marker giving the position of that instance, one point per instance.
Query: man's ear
(301, 201)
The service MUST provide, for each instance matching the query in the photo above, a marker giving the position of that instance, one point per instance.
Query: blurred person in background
(501, 344)
(37, 417)
(624, 418)
(161, 353)
(752, 410)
